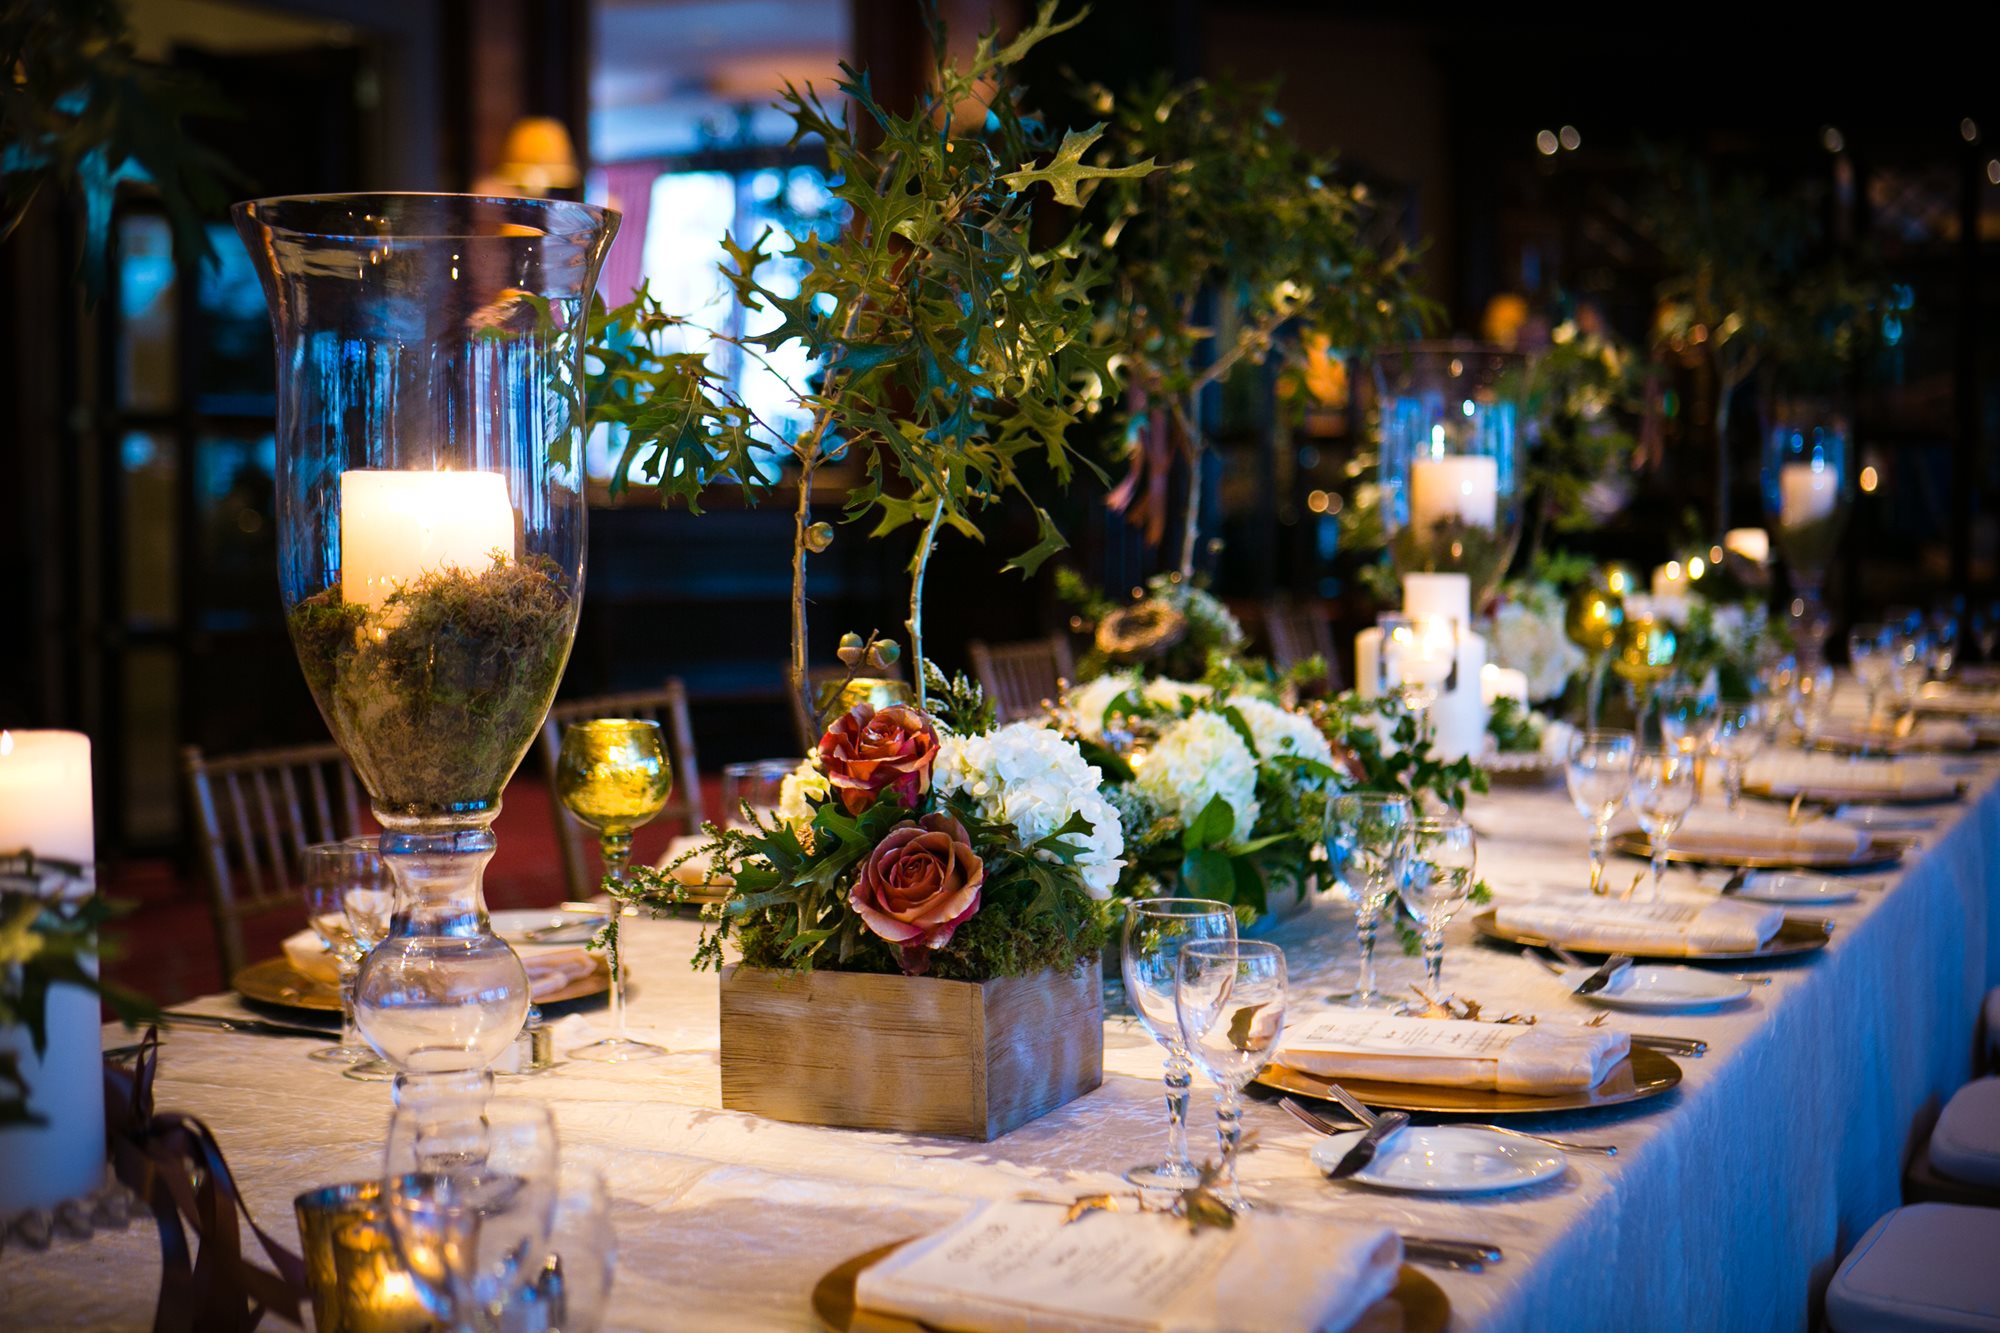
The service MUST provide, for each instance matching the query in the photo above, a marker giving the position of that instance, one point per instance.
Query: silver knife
(1361, 1154)
(1606, 970)
(254, 1027)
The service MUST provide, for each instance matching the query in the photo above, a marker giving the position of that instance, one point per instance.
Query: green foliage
(951, 347)
(1404, 765)
(1747, 268)
(45, 943)
(1577, 397)
(81, 113)
(788, 906)
(1172, 628)
(958, 703)
(1514, 727)
(1560, 570)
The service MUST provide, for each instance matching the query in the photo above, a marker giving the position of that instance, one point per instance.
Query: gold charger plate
(274, 981)
(1642, 1074)
(1796, 935)
(1414, 1305)
(1877, 853)
(1856, 795)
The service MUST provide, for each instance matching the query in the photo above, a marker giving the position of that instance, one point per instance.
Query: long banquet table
(1727, 1206)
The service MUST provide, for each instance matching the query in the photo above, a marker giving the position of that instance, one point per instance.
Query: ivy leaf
(1212, 827)
(1067, 169)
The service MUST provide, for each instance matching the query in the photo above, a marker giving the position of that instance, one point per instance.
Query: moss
(436, 696)
(1453, 546)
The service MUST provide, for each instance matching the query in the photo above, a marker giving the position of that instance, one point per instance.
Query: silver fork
(1313, 1120)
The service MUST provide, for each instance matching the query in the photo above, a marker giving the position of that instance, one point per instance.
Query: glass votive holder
(357, 1280)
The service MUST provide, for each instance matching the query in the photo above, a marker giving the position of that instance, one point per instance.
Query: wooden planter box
(970, 1059)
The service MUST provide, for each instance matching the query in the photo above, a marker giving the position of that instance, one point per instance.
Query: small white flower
(1028, 776)
(1279, 731)
(1084, 705)
(802, 789)
(1528, 636)
(1197, 759)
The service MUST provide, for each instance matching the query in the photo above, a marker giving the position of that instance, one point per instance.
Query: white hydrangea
(1028, 776)
(1171, 692)
(1085, 704)
(800, 790)
(1528, 637)
(1279, 731)
(1195, 760)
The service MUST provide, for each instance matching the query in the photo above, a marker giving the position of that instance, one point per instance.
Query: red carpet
(165, 948)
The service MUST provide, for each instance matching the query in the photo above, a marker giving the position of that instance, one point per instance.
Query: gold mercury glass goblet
(1645, 659)
(613, 775)
(1592, 621)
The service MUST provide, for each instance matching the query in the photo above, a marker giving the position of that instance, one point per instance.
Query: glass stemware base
(619, 1050)
(341, 1054)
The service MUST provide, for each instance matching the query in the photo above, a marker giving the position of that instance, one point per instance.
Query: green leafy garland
(1403, 763)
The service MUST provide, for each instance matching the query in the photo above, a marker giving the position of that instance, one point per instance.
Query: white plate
(1446, 1159)
(1646, 988)
(1784, 888)
(513, 925)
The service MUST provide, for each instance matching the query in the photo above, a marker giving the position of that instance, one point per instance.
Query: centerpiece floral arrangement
(1172, 628)
(925, 843)
(1221, 791)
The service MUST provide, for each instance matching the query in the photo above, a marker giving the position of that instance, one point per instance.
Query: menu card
(1539, 1059)
(1672, 927)
(1016, 1267)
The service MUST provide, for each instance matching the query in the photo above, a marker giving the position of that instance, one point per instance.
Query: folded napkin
(1940, 733)
(1716, 832)
(1787, 775)
(1607, 925)
(1541, 1059)
(1014, 1267)
(550, 966)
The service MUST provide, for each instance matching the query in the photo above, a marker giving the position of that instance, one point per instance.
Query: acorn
(850, 649)
(884, 655)
(818, 537)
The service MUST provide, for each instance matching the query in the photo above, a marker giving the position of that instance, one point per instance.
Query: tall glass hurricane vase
(431, 537)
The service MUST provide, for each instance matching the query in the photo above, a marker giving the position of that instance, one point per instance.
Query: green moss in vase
(1453, 546)
(436, 695)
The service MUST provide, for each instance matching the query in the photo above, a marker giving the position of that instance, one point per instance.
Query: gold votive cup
(879, 692)
(357, 1280)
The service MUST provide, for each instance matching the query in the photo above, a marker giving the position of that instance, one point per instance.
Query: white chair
(1922, 1269)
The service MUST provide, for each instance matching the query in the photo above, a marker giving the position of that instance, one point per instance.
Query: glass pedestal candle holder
(431, 536)
(1450, 460)
(1806, 497)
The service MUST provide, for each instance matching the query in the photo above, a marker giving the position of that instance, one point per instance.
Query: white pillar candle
(1462, 487)
(395, 526)
(1498, 682)
(1807, 492)
(45, 808)
(1447, 595)
(45, 795)
(1753, 544)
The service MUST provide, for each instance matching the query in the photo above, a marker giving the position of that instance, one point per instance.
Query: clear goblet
(1662, 795)
(613, 775)
(1687, 722)
(759, 785)
(1367, 837)
(1156, 930)
(1812, 701)
(1599, 772)
(469, 1189)
(1229, 998)
(331, 871)
(369, 907)
(1868, 658)
(573, 1288)
(1739, 735)
(1435, 885)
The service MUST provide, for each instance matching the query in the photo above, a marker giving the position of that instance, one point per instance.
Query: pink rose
(866, 753)
(918, 886)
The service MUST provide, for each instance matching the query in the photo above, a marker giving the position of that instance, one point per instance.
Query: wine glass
(1229, 997)
(1774, 687)
(1739, 735)
(1600, 777)
(1946, 619)
(760, 785)
(573, 1288)
(369, 907)
(1687, 721)
(1367, 837)
(1435, 884)
(1417, 658)
(1812, 701)
(1156, 930)
(1986, 630)
(469, 1187)
(1868, 658)
(333, 871)
(613, 775)
(1662, 794)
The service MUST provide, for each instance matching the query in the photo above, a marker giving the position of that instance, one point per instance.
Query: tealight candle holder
(357, 1280)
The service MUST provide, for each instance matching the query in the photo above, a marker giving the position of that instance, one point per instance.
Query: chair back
(255, 814)
(1296, 633)
(1020, 677)
(667, 706)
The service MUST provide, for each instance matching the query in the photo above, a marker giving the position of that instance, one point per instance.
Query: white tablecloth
(1727, 1206)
